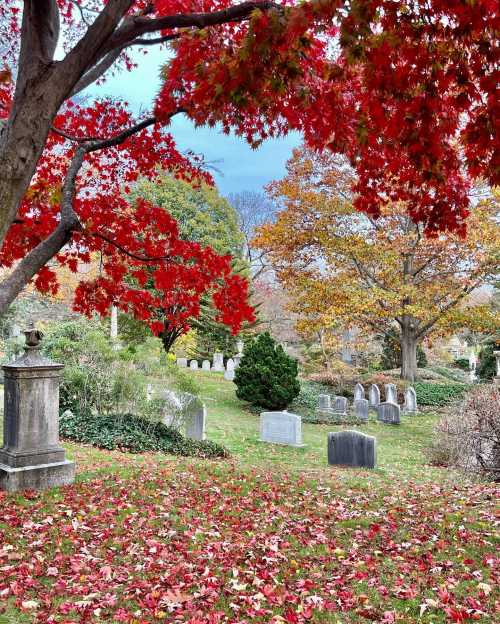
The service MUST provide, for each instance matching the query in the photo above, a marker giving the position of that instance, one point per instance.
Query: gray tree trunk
(408, 354)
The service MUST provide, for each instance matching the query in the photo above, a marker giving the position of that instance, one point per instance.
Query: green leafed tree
(267, 376)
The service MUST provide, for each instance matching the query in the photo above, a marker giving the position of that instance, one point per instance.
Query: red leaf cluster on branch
(135, 242)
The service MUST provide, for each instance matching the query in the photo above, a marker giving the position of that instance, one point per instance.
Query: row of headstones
(389, 413)
(217, 366)
(391, 396)
(345, 448)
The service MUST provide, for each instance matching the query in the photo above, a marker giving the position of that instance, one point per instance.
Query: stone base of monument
(41, 477)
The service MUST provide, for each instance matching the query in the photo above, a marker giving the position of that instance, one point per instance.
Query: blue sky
(241, 168)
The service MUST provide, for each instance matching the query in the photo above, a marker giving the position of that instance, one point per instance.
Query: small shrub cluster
(266, 376)
(486, 367)
(127, 432)
(462, 363)
(469, 437)
(438, 395)
(101, 379)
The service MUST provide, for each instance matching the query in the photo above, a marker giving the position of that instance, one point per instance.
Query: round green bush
(266, 376)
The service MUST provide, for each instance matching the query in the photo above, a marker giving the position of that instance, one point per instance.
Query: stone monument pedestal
(31, 456)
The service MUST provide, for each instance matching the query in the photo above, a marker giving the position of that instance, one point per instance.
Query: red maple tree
(408, 91)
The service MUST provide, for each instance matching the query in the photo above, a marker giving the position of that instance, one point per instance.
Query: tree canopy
(406, 91)
(343, 267)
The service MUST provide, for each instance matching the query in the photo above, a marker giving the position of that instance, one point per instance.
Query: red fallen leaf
(290, 616)
(457, 614)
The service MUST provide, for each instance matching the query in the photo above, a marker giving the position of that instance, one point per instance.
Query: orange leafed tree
(342, 267)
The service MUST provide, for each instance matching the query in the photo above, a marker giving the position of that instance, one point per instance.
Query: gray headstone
(205, 365)
(193, 365)
(324, 401)
(237, 360)
(391, 393)
(359, 392)
(389, 413)
(374, 395)
(229, 374)
(182, 362)
(410, 405)
(340, 404)
(218, 363)
(281, 428)
(351, 448)
(195, 421)
(361, 408)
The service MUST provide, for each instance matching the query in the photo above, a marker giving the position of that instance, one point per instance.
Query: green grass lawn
(272, 535)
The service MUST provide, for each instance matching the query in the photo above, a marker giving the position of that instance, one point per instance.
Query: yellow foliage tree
(344, 268)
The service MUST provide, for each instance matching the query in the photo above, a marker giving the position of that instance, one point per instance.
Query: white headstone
(239, 345)
(281, 428)
(410, 405)
(391, 393)
(237, 360)
(218, 363)
(374, 395)
(229, 374)
(193, 365)
(182, 362)
(359, 392)
(361, 408)
(205, 365)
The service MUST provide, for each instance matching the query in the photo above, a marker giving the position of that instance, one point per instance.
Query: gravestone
(361, 408)
(389, 413)
(359, 392)
(324, 401)
(205, 365)
(410, 406)
(31, 456)
(182, 362)
(374, 395)
(218, 363)
(391, 393)
(229, 374)
(351, 448)
(237, 360)
(193, 365)
(195, 420)
(281, 428)
(340, 405)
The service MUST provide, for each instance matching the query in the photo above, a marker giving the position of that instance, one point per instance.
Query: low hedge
(127, 432)
(433, 394)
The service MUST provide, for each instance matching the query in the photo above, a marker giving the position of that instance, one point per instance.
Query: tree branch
(139, 25)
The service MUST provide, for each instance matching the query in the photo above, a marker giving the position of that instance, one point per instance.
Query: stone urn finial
(33, 337)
